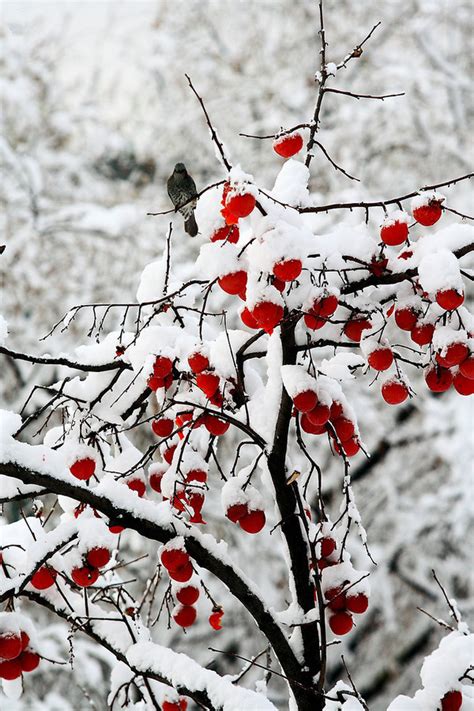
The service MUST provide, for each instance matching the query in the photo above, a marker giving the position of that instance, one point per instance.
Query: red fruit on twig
(288, 270)
(428, 214)
(252, 522)
(28, 661)
(162, 427)
(230, 233)
(235, 512)
(208, 383)
(187, 595)
(450, 299)
(288, 144)
(10, 669)
(452, 701)
(340, 623)
(357, 603)
(233, 283)
(184, 615)
(84, 576)
(215, 619)
(137, 485)
(98, 557)
(394, 392)
(438, 379)
(162, 367)
(455, 354)
(381, 359)
(83, 469)
(422, 333)
(10, 645)
(406, 318)
(394, 232)
(241, 205)
(305, 401)
(355, 328)
(267, 315)
(198, 362)
(43, 578)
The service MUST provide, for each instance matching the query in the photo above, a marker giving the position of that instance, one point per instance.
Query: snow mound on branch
(152, 285)
(440, 673)
(181, 670)
(291, 184)
(440, 271)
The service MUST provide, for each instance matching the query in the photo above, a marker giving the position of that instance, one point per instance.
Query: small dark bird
(182, 190)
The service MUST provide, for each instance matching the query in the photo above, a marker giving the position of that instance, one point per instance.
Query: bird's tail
(190, 225)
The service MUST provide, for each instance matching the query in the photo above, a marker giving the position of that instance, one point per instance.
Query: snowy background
(95, 113)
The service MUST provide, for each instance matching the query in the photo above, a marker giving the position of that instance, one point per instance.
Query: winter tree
(228, 405)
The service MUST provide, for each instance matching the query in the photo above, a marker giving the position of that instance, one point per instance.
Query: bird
(182, 190)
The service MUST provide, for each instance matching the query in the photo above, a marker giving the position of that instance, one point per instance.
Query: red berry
(168, 454)
(25, 640)
(10, 645)
(10, 669)
(381, 359)
(162, 427)
(98, 557)
(247, 318)
(310, 428)
(173, 558)
(336, 410)
(279, 284)
(406, 318)
(467, 368)
(350, 446)
(455, 354)
(288, 145)
(394, 234)
(84, 576)
(267, 315)
(116, 529)
(319, 415)
(198, 362)
(229, 232)
(344, 428)
(438, 379)
(314, 322)
(208, 383)
(355, 327)
(235, 512)
(325, 305)
(137, 485)
(241, 205)
(463, 385)
(215, 425)
(449, 299)
(180, 705)
(83, 469)
(328, 546)
(28, 661)
(182, 574)
(305, 401)
(422, 333)
(357, 603)
(184, 615)
(233, 283)
(162, 367)
(288, 269)
(378, 266)
(452, 701)
(196, 475)
(252, 522)
(215, 619)
(394, 392)
(43, 578)
(187, 595)
(427, 215)
(340, 623)
(336, 599)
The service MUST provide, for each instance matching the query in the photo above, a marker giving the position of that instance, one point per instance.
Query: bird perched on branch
(182, 190)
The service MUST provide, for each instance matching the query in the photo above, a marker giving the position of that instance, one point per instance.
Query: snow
(3, 330)
(425, 197)
(182, 671)
(440, 271)
(396, 216)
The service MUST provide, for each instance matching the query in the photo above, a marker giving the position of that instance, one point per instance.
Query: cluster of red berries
(16, 655)
(342, 605)
(162, 375)
(86, 574)
(318, 418)
(249, 520)
(180, 569)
